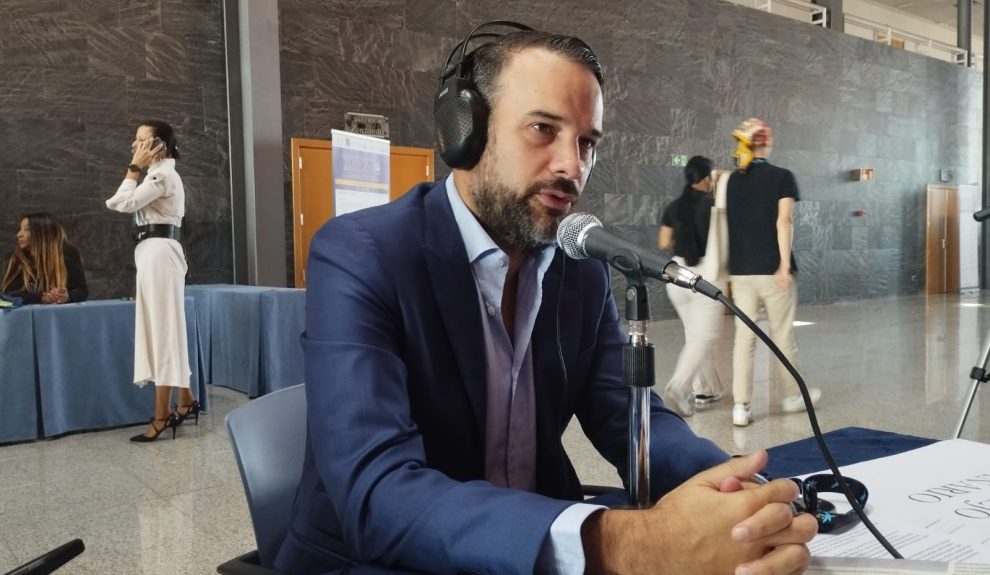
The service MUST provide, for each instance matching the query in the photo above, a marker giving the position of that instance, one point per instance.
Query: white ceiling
(940, 11)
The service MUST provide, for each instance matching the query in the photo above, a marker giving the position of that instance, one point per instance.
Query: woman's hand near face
(145, 154)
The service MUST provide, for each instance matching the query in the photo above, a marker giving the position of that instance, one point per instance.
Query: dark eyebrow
(558, 118)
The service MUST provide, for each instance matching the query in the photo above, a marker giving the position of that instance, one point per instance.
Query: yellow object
(744, 150)
(754, 132)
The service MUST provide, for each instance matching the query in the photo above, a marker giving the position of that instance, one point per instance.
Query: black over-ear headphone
(459, 111)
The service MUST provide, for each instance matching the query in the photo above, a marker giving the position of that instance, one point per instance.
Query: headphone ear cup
(461, 120)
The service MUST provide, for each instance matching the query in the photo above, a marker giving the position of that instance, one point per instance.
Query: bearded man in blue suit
(448, 345)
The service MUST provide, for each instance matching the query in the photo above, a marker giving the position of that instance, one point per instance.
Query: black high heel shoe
(191, 410)
(170, 421)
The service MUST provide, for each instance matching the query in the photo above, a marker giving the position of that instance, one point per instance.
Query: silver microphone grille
(572, 231)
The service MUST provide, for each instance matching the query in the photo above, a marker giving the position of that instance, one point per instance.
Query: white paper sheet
(931, 503)
(860, 566)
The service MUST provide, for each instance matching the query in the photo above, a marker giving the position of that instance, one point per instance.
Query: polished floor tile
(6, 553)
(219, 511)
(169, 507)
(896, 364)
(177, 507)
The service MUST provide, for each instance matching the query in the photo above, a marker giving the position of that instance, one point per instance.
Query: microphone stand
(979, 374)
(638, 374)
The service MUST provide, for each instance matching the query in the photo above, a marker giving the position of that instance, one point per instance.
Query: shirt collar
(477, 242)
(162, 165)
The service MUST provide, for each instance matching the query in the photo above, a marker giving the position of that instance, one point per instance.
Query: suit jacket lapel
(457, 297)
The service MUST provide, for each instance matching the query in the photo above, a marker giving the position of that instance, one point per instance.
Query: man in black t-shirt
(759, 209)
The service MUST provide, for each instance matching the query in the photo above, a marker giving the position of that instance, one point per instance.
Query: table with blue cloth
(250, 336)
(74, 369)
(848, 445)
(18, 376)
(283, 318)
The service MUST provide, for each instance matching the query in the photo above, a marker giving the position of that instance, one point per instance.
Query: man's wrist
(134, 168)
(593, 539)
(606, 537)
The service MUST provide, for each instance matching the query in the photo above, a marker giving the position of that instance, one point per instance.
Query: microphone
(582, 236)
(982, 214)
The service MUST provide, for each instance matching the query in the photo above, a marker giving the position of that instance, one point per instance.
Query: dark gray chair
(269, 439)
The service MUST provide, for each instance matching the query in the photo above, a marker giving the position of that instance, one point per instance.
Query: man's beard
(512, 220)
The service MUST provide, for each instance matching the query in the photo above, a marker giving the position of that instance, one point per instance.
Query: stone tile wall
(680, 75)
(75, 80)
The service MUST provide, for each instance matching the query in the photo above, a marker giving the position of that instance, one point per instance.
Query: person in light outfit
(688, 226)
(161, 354)
(760, 205)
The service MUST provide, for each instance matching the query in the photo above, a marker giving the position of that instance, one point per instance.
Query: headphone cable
(560, 296)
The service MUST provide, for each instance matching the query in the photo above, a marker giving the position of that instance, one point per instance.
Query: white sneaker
(795, 403)
(742, 415)
(681, 403)
(706, 398)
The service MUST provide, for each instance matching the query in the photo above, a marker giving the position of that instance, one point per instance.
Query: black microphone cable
(822, 446)
(573, 235)
(683, 277)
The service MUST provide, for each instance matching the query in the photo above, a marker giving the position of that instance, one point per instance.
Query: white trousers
(702, 319)
(161, 351)
(748, 292)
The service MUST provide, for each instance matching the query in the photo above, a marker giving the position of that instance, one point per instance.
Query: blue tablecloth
(75, 365)
(848, 445)
(61, 366)
(86, 366)
(18, 376)
(250, 336)
(283, 318)
(231, 316)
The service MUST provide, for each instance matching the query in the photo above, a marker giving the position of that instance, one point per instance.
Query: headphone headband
(474, 33)
(448, 68)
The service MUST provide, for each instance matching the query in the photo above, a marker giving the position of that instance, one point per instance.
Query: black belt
(168, 231)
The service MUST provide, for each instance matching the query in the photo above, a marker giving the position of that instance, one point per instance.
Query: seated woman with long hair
(44, 267)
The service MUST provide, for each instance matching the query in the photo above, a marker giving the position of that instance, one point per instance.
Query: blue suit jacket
(395, 384)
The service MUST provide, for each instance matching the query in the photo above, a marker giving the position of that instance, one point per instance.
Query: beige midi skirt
(161, 351)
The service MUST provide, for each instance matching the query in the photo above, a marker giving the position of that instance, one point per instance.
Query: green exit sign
(679, 160)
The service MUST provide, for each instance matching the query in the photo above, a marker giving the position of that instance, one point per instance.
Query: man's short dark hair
(488, 60)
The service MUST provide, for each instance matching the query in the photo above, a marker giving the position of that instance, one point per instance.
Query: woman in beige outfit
(161, 353)
(691, 228)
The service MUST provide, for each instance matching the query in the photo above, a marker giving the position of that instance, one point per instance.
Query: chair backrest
(269, 439)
